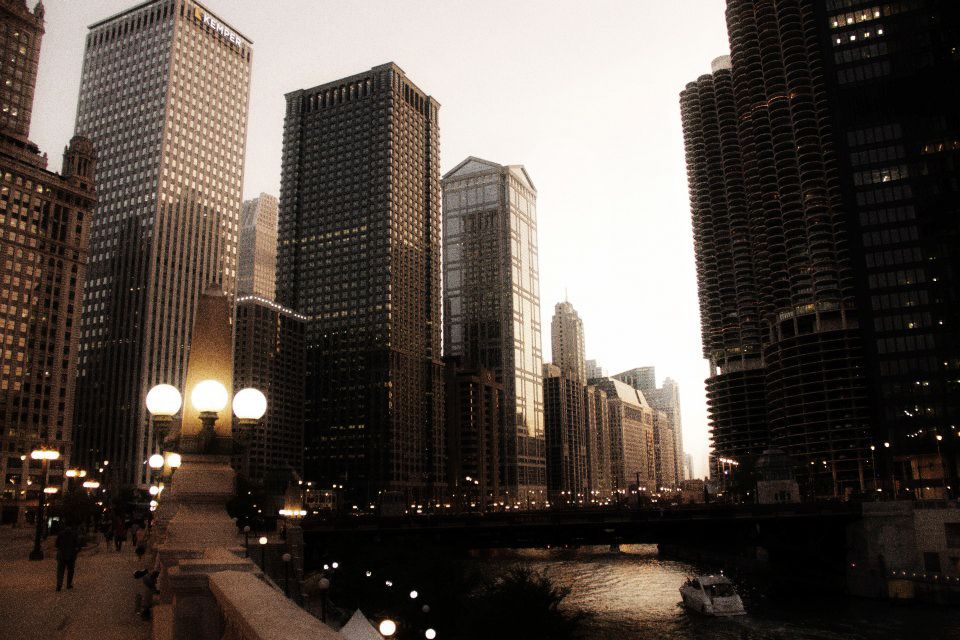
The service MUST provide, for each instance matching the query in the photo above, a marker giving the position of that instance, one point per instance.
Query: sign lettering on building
(207, 20)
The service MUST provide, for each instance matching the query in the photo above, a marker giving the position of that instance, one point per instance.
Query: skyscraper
(270, 355)
(777, 290)
(257, 248)
(20, 48)
(566, 338)
(632, 458)
(891, 73)
(163, 96)
(359, 255)
(492, 305)
(665, 399)
(597, 430)
(44, 230)
(594, 370)
(565, 430)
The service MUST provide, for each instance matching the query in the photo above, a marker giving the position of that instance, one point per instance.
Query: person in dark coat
(67, 546)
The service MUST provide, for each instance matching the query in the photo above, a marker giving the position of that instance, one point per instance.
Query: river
(633, 595)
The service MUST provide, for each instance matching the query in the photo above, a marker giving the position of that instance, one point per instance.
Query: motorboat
(712, 595)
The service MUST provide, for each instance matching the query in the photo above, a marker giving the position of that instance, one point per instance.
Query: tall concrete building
(474, 427)
(20, 48)
(44, 231)
(596, 411)
(269, 354)
(257, 248)
(777, 285)
(665, 399)
(492, 305)
(632, 457)
(359, 255)
(594, 370)
(566, 339)
(163, 96)
(566, 435)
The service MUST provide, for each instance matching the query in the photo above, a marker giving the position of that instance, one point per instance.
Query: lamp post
(45, 456)
(263, 559)
(249, 405)
(163, 402)
(246, 541)
(209, 397)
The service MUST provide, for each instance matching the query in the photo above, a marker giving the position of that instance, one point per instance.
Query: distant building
(164, 99)
(44, 239)
(270, 355)
(491, 298)
(688, 466)
(632, 459)
(257, 248)
(359, 255)
(566, 336)
(667, 400)
(596, 411)
(594, 370)
(475, 414)
(567, 453)
(664, 445)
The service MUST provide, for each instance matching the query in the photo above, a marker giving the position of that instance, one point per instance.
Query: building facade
(632, 458)
(163, 96)
(594, 370)
(474, 414)
(778, 305)
(257, 248)
(359, 256)
(566, 434)
(597, 431)
(492, 305)
(44, 233)
(893, 82)
(566, 339)
(270, 355)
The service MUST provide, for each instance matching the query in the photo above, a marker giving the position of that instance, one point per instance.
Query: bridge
(795, 537)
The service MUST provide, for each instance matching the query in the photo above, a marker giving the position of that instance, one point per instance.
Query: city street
(100, 605)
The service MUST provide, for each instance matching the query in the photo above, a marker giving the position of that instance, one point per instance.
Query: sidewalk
(100, 606)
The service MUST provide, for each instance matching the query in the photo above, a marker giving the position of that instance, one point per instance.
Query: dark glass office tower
(892, 71)
(359, 255)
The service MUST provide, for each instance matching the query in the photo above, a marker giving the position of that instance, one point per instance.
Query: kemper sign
(216, 25)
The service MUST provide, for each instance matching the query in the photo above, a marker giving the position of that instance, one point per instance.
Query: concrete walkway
(100, 606)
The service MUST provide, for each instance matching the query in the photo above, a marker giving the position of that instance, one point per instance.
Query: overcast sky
(583, 93)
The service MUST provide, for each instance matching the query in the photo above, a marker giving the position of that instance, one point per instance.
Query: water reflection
(635, 595)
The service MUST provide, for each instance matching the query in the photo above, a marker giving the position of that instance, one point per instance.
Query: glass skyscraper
(257, 255)
(492, 305)
(163, 96)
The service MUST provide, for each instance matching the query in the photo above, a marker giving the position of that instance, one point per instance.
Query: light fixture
(50, 490)
(263, 540)
(413, 595)
(164, 400)
(209, 396)
(44, 454)
(154, 490)
(91, 484)
(155, 461)
(174, 460)
(388, 628)
(249, 404)
(429, 634)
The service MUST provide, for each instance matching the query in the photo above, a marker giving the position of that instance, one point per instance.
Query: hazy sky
(584, 93)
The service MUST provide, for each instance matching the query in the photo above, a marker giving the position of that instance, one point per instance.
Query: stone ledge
(161, 616)
(252, 610)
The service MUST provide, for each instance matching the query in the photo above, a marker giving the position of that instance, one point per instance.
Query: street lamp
(388, 628)
(45, 456)
(263, 561)
(163, 402)
(286, 572)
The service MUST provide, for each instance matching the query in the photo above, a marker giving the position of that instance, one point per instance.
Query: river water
(634, 595)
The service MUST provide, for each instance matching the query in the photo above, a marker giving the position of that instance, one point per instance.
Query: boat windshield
(721, 590)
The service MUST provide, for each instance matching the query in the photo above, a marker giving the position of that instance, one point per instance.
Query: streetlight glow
(429, 634)
(388, 628)
(164, 400)
(155, 461)
(174, 460)
(209, 396)
(249, 404)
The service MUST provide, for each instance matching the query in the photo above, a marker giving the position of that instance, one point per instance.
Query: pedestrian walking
(119, 533)
(134, 528)
(68, 544)
(140, 542)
